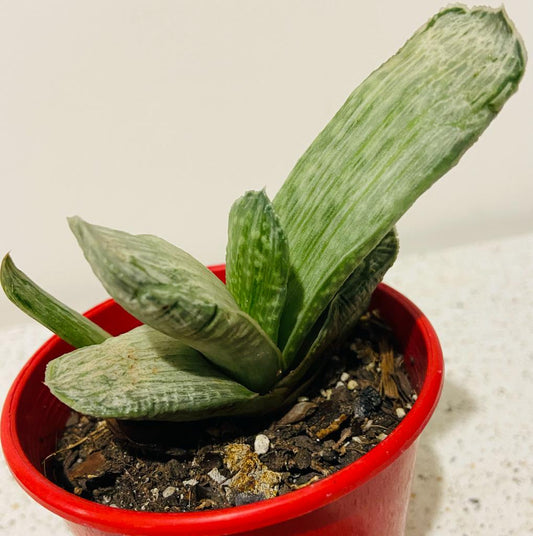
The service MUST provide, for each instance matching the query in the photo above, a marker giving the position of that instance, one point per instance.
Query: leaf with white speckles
(406, 125)
(167, 289)
(257, 260)
(143, 374)
(350, 302)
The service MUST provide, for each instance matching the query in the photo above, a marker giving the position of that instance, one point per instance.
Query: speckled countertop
(474, 471)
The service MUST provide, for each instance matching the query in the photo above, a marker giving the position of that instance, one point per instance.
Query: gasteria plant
(301, 269)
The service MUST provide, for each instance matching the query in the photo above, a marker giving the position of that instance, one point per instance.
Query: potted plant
(300, 272)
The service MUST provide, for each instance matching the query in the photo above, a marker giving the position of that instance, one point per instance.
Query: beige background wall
(154, 116)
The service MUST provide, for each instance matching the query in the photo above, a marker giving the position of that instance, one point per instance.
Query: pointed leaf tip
(66, 323)
(257, 260)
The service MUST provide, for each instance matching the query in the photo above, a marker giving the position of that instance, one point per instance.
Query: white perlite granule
(261, 444)
(168, 491)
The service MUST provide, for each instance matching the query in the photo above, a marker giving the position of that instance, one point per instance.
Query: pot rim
(240, 518)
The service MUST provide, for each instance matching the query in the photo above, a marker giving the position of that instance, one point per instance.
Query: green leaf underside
(257, 260)
(66, 323)
(350, 302)
(172, 292)
(143, 374)
(406, 125)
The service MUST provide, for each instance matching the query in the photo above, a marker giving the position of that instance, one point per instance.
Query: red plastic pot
(367, 498)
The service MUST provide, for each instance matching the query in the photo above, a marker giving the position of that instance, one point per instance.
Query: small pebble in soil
(217, 476)
(352, 385)
(261, 444)
(168, 492)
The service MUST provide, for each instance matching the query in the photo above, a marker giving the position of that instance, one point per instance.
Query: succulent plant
(300, 269)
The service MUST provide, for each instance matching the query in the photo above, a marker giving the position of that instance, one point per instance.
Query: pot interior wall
(407, 332)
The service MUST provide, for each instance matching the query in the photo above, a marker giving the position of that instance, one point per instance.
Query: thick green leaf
(352, 300)
(143, 374)
(167, 289)
(344, 311)
(257, 260)
(406, 125)
(51, 313)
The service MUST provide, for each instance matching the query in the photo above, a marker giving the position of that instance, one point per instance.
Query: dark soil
(364, 394)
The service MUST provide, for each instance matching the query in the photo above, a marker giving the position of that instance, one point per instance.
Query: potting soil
(363, 394)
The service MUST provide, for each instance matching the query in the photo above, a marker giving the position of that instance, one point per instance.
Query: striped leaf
(352, 300)
(406, 125)
(257, 260)
(344, 311)
(143, 374)
(51, 313)
(167, 289)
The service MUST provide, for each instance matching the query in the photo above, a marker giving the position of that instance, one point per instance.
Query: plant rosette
(300, 271)
(369, 497)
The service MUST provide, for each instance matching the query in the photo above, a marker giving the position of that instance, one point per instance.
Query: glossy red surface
(367, 498)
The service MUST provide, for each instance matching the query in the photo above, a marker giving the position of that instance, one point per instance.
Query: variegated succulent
(300, 269)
